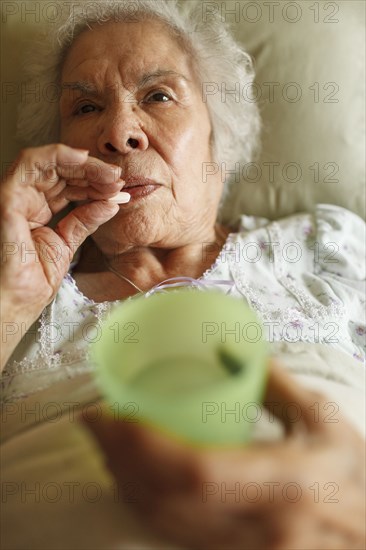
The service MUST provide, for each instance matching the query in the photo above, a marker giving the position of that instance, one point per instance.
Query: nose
(122, 132)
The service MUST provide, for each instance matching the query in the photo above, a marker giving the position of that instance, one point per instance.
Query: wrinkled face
(131, 98)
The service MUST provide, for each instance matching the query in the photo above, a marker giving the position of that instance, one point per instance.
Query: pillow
(20, 21)
(310, 83)
(309, 59)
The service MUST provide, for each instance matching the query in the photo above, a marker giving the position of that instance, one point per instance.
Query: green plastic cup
(188, 362)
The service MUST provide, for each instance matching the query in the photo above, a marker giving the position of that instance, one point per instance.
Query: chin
(132, 228)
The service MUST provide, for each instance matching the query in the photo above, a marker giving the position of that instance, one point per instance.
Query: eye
(85, 109)
(157, 97)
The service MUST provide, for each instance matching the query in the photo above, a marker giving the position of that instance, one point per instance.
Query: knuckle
(59, 147)
(80, 229)
(29, 157)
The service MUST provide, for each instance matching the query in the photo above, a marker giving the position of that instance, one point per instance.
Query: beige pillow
(310, 64)
(20, 21)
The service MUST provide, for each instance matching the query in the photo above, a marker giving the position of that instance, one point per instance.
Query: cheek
(77, 135)
(189, 146)
(82, 140)
(68, 135)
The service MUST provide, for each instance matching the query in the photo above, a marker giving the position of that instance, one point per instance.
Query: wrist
(14, 323)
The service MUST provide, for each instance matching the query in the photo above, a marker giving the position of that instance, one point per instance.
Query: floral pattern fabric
(303, 275)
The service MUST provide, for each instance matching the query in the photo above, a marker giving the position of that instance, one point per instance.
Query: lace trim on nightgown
(309, 309)
(220, 258)
(36, 375)
(49, 362)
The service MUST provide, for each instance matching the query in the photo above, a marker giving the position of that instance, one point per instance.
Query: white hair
(221, 66)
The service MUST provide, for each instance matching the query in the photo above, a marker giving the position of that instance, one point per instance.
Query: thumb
(83, 221)
(291, 402)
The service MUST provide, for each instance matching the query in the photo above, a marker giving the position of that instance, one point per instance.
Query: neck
(147, 266)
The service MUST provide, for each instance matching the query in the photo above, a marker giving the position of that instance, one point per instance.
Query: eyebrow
(80, 86)
(158, 74)
(92, 90)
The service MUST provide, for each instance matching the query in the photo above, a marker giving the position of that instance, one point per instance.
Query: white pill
(121, 198)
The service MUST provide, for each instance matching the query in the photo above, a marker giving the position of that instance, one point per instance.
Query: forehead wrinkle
(89, 88)
(108, 45)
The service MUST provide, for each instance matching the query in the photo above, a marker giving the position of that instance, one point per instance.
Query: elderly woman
(138, 149)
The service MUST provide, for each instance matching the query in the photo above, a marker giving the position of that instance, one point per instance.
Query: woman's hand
(305, 491)
(35, 258)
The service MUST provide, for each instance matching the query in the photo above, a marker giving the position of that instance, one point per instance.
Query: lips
(138, 187)
(138, 182)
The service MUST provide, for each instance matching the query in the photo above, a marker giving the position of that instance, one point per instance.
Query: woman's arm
(35, 258)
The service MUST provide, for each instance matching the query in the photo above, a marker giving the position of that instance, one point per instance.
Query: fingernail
(120, 198)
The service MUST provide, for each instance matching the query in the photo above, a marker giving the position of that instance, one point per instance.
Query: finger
(33, 175)
(56, 190)
(83, 221)
(292, 403)
(92, 180)
(77, 182)
(58, 203)
(171, 467)
(308, 413)
(44, 167)
(92, 173)
(38, 166)
(200, 524)
(59, 245)
(103, 188)
(89, 193)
